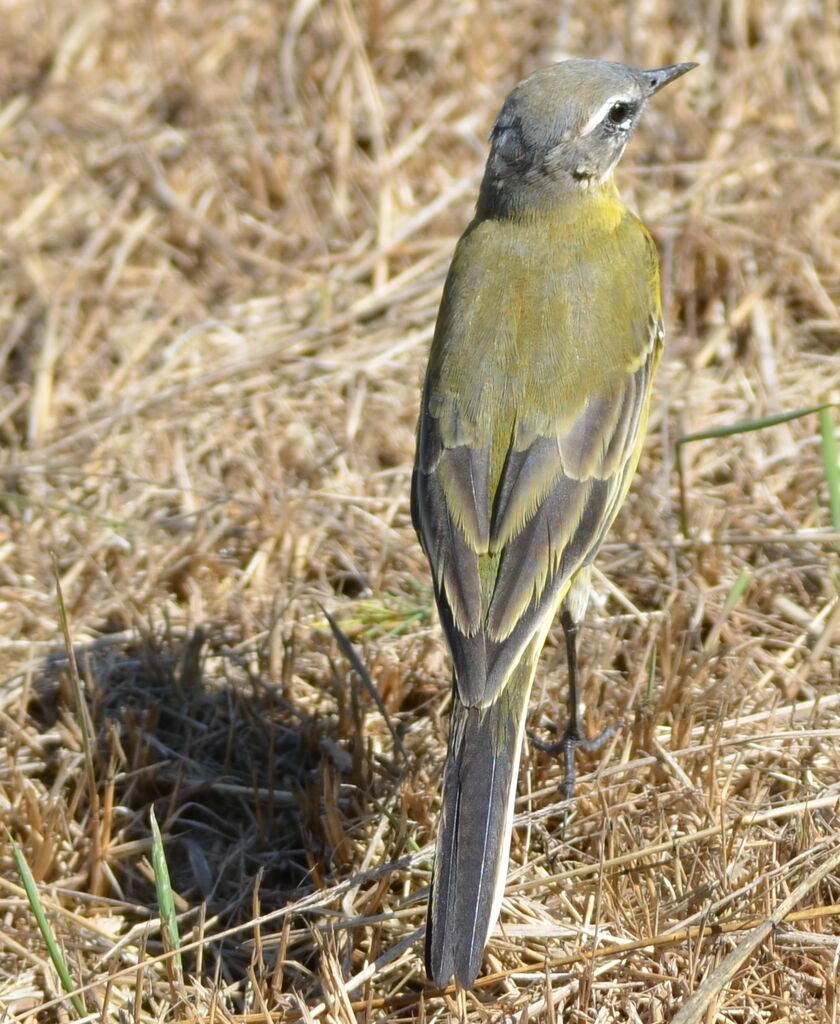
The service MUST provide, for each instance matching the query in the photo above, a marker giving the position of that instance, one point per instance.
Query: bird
(533, 413)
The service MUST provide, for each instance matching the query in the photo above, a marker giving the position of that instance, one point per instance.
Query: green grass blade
(746, 426)
(828, 445)
(356, 663)
(651, 680)
(45, 928)
(829, 450)
(165, 898)
(736, 592)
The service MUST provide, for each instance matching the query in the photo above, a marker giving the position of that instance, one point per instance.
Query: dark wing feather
(450, 510)
(527, 477)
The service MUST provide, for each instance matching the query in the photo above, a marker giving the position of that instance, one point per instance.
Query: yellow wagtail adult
(532, 421)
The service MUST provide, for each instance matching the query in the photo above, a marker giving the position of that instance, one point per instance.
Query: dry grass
(226, 226)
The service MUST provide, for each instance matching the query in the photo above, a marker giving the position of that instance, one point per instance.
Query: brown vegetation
(225, 229)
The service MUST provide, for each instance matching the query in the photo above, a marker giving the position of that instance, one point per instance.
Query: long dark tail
(473, 845)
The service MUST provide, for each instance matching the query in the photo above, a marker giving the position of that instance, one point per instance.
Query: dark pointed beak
(660, 77)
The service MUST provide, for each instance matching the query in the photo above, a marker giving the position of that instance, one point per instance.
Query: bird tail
(473, 845)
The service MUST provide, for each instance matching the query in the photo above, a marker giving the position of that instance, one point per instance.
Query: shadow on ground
(255, 793)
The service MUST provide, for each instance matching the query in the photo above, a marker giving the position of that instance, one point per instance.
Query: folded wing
(503, 549)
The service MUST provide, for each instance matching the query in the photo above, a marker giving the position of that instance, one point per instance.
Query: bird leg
(573, 736)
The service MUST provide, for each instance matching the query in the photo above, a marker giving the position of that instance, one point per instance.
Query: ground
(226, 227)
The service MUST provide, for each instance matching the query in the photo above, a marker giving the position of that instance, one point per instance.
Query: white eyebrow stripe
(601, 112)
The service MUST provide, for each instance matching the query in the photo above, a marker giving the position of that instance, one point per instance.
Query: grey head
(563, 129)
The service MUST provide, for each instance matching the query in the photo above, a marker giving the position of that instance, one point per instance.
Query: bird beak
(660, 77)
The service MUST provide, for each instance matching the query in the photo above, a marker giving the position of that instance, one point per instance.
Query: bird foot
(567, 745)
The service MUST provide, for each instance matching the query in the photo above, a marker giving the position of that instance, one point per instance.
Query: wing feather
(465, 478)
(510, 502)
(444, 533)
(527, 477)
(555, 502)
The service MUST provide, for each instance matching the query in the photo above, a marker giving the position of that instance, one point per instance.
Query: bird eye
(620, 112)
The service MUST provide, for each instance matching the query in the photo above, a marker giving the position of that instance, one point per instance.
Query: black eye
(620, 112)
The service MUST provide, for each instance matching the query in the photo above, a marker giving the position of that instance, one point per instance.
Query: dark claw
(567, 746)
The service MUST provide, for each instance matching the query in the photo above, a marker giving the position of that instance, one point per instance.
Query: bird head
(563, 129)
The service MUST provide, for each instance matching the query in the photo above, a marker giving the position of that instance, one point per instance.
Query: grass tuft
(166, 901)
(54, 950)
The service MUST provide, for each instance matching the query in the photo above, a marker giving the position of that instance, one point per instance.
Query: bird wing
(509, 502)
